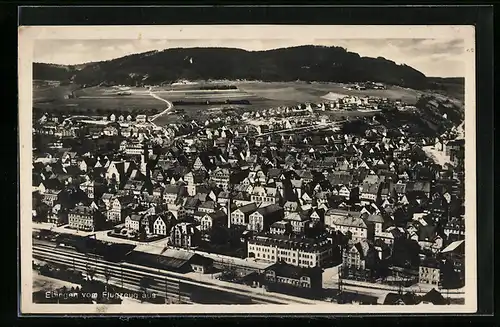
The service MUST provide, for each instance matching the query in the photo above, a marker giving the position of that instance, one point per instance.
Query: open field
(43, 92)
(109, 104)
(304, 92)
(260, 95)
(110, 91)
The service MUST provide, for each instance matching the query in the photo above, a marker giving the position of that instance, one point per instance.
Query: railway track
(129, 275)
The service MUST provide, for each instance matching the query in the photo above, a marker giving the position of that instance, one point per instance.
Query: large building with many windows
(85, 218)
(301, 252)
(429, 272)
(347, 221)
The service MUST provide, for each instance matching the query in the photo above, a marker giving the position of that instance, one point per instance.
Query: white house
(133, 222)
(160, 226)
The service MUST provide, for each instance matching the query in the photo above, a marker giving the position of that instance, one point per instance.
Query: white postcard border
(27, 36)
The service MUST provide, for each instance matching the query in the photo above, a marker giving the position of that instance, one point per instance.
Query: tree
(219, 235)
(42, 212)
(142, 233)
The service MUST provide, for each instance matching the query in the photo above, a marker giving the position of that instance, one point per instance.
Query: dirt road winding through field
(170, 105)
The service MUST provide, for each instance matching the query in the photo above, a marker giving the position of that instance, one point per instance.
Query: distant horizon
(434, 58)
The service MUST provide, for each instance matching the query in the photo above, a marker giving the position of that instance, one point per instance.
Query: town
(331, 201)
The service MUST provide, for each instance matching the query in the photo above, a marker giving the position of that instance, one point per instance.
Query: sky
(433, 57)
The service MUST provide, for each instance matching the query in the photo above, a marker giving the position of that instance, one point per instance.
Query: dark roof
(52, 184)
(217, 215)
(430, 263)
(427, 233)
(36, 179)
(434, 297)
(274, 172)
(208, 205)
(158, 261)
(408, 298)
(270, 209)
(171, 189)
(282, 269)
(82, 210)
(192, 203)
(280, 224)
(38, 167)
(419, 186)
(72, 170)
(247, 209)
(136, 217)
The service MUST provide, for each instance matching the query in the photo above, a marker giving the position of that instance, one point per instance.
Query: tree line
(306, 63)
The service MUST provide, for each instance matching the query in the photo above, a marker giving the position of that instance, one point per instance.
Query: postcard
(244, 169)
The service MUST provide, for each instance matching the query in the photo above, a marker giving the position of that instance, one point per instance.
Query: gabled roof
(270, 209)
(135, 217)
(274, 172)
(242, 196)
(171, 189)
(434, 297)
(362, 247)
(192, 202)
(208, 205)
(375, 219)
(395, 298)
(297, 217)
(351, 219)
(247, 209)
(280, 224)
(217, 215)
(107, 196)
(224, 195)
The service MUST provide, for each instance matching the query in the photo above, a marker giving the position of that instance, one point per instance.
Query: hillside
(49, 72)
(305, 63)
(452, 86)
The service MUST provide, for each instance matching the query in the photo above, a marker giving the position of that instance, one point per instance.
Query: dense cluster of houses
(374, 203)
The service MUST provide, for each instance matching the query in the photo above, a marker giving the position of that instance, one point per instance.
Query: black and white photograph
(247, 169)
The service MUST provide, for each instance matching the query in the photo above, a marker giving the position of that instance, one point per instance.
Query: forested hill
(305, 63)
(52, 72)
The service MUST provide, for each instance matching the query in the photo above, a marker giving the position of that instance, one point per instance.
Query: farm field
(110, 91)
(260, 95)
(43, 92)
(110, 104)
(304, 92)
